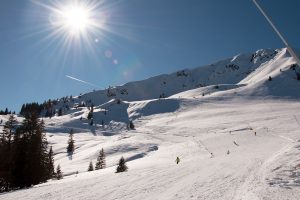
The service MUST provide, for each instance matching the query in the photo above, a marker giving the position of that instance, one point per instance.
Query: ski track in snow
(256, 180)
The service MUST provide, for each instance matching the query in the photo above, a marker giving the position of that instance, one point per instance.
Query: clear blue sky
(145, 38)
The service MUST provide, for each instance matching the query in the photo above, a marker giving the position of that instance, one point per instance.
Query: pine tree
(122, 166)
(91, 167)
(71, 143)
(59, 174)
(6, 154)
(92, 108)
(19, 158)
(5, 174)
(100, 164)
(22, 109)
(9, 129)
(51, 163)
(60, 112)
(30, 155)
(131, 125)
(38, 147)
(270, 78)
(90, 115)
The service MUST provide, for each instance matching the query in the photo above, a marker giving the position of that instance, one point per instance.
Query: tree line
(25, 157)
(6, 112)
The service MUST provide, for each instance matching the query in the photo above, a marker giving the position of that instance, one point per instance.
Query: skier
(177, 160)
(254, 133)
(228, 152)
(211, 155)
(234, 142)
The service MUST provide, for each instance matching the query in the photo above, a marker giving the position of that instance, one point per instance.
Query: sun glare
(74, 25)
(76, 19)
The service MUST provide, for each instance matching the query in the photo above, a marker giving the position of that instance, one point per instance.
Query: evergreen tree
(91, 167)
(71, 143)
(48, 114)
(5, 175)
(19, 159)
(30, 157)
(59, 174)
(90, 115)
(22, 109)
(51, 163)
(30, 108)
(100, 164)
(6, 153)
(270, 78)
(92, 108)
(9, 129)
(38, 148)
(131, 125)
(60, 112)
(122, 166)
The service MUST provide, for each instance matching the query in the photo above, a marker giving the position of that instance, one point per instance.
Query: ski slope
(212, 134)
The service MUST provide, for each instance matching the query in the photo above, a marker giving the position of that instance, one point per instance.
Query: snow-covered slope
(211, 127)
(284, 78)
(257, 167)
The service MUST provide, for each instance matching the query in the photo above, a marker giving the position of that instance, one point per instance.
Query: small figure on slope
(177, 160)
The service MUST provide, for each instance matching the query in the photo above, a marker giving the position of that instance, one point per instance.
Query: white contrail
(82, 81)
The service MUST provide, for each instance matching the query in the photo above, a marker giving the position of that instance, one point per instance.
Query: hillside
(235, 131)
(233, 71)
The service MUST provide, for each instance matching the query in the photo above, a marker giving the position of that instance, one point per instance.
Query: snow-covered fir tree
(100, 164)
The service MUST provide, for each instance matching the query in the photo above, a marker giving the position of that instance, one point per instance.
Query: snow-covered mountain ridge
(249, 68)
(244, 75)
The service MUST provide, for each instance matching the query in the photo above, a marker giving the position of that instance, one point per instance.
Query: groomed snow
(255, 168)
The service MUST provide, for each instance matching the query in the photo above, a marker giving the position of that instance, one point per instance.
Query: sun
(76, 19)
(73, 25)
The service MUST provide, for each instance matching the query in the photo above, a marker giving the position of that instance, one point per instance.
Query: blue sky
(141, 38)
